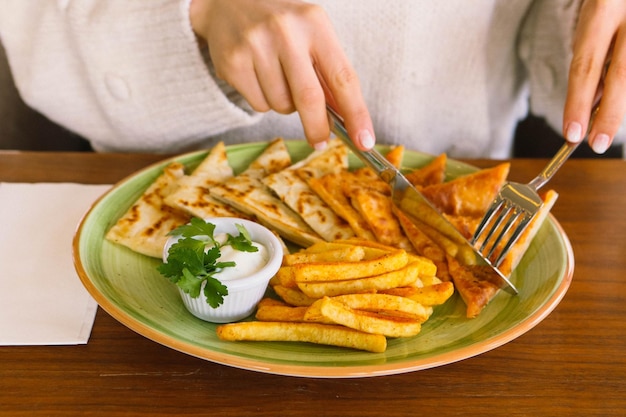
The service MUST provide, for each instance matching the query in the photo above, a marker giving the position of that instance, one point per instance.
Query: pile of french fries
(349, 293)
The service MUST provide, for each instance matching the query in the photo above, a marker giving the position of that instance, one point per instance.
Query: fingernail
(320, 146)
(574, 132)
(366, 139)
(600, 143)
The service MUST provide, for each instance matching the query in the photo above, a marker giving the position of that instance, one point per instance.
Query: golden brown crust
(144, 227)
(193, 192)
(376, 209)
(476, 285)
(291, 186)
(516, 253)
(432, 173)
(469, 195)
(318, 199)
(247, 193)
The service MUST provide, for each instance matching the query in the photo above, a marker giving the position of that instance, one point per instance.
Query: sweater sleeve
(545, 47)
(128, 75)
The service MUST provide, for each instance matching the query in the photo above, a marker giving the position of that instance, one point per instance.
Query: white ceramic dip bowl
(244, 292)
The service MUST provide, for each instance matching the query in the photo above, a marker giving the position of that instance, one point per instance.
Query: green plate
(129, 288)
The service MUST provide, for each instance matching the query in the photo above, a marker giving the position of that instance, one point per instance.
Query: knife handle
(372, 158)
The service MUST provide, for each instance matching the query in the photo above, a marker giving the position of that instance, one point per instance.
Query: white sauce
(246, 263)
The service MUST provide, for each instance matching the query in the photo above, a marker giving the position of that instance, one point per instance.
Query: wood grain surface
(572, 364)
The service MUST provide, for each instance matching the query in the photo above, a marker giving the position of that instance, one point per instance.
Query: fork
(515, 206)
(402, 191)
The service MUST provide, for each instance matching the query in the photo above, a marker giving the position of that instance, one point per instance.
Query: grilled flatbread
(144, 227)
(432, 173)
(275, 157)
(367, 178)
(376, 209)
(424, 245)
(330, 189)
(247, 193)
(518, 250)
(395, 156)
(193, 195)
(291, 186)
(469, 195)
(465, 224)
(476, 284)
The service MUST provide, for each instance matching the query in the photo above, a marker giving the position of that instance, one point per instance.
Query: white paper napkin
(42, 301)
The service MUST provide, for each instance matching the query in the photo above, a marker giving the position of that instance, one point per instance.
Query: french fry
(367, 244)
(427, 280)
(426, 266)
(279, 312)
(370, 248)
(269, 302)
(387, 304)
(398, 278)
(302, 332)
(326, 246)
(285, 276)
(269, 309)
(293, 296)
(369, 322)
(335, 271)
(314, 314)
(345, 254)
(430, 295)
(274, 281)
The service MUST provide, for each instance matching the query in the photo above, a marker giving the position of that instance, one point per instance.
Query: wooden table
(572, 363)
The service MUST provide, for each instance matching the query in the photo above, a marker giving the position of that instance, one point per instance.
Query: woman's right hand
(284, 55)
(600, 38)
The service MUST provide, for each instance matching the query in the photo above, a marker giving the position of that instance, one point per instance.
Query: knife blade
(408, 199)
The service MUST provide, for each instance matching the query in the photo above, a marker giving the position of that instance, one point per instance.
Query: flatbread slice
(291, 186)
(423, 244)
(395, 156)
(193, 195)
(515, 255)
(376, 209)
(144, 227)
(247, 193)
(468, 195)
(466, 225)
(432, 173)
(273, 158)
(476, 284)
(330, 189)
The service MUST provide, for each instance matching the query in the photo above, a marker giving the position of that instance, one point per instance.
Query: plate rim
(321, 371)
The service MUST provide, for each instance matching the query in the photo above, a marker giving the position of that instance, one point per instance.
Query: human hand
(284, 55)
(600, 37)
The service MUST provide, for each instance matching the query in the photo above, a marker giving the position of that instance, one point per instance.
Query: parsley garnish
(189, 264)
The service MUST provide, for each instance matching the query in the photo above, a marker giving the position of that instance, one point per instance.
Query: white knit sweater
(439, 76)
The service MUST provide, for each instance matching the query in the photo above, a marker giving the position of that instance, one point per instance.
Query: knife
(408, 199)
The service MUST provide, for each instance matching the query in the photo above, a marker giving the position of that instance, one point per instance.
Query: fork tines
(500, 229)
